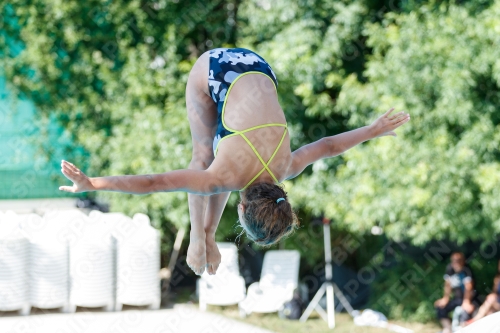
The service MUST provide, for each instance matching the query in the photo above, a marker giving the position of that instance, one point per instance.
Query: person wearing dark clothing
(458, 290)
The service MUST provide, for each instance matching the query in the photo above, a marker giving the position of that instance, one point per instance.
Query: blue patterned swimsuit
(225, 66)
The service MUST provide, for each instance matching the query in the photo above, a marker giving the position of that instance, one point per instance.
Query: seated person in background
(492, 302)
(459, 285)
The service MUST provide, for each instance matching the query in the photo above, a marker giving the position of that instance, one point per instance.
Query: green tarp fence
(26, 169)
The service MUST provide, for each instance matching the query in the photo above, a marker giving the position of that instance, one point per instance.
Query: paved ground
(180, 319)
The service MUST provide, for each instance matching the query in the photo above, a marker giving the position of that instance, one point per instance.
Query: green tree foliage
(440, 177)
(114, 73)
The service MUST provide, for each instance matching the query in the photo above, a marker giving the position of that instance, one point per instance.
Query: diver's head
(265, 213)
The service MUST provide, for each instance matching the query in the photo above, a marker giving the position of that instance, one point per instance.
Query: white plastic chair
(14, 258)
(48, 264)
(278, 280)
(138, 267)
(226, 287)
(136, 259)
(142, 219)
(91, 262)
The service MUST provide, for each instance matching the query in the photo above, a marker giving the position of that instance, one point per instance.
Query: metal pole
(328, 252)
(330, 308)
(328, 286)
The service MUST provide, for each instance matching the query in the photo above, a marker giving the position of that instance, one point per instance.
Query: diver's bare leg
(202, 115)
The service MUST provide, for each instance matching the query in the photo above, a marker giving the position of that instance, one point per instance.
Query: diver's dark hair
(266, 220)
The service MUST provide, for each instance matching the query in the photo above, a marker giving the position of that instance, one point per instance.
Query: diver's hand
(81, 183)
(213, 255)
(197, 254)
(387, 123)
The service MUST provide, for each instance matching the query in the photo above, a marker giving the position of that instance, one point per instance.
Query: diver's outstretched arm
(186, 180)
(335, 145)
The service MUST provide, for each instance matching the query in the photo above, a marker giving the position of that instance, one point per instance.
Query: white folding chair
(279, 279)
(227, 286)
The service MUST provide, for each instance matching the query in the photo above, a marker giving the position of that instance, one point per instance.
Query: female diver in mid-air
(240, 143)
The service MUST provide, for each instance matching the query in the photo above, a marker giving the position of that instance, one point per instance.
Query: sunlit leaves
(436, 179)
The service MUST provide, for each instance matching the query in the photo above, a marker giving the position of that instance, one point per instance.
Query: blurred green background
(107, 79)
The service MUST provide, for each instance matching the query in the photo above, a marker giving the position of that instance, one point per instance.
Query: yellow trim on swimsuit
(242, 133)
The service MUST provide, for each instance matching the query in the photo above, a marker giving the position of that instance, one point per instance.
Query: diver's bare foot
(213, 256)
(196, 255)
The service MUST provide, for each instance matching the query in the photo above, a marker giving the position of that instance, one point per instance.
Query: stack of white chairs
(112, 221)
(227, 286)
(138, 266)
(49, 262)
(137, 259)
(91, 262)
(279, 278)
(68, 259)
(14, 256)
